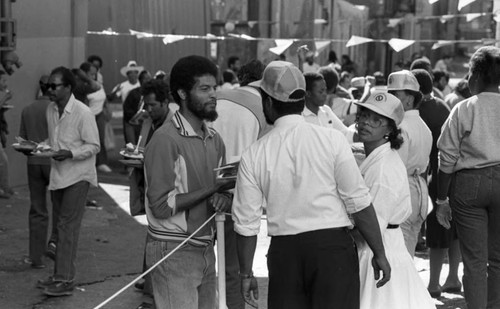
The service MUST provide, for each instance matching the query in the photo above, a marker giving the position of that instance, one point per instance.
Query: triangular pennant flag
(393, 22)
(445, 18)
(210, 36)
(356, 40)
(109, 31)
(252, 23)
(433, 1)
(171, 38)
(321, 45)
(497, 18)
(282, 46)
(464, 3)
(320, 21)
(141, 35)
(441, 43)
(247, 37)
(400, 44)
(471, 16)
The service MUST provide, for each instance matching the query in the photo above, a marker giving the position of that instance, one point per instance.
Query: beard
(202, 110)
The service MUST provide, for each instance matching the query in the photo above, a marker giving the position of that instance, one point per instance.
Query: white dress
(385, 176)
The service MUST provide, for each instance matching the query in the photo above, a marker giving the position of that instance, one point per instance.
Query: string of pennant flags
(320, 43)
(283, 44)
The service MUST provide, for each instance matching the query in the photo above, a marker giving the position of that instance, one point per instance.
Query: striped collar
(185, 128)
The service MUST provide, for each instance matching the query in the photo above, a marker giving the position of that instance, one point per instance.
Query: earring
(386, 137)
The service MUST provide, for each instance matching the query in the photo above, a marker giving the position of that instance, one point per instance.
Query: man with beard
(182, 192)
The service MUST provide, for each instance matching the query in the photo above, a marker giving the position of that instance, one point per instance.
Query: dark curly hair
(186, 70)
(157, 86)
(394, 137)
(486, 61)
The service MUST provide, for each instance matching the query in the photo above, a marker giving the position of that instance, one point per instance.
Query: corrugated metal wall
(154, 16)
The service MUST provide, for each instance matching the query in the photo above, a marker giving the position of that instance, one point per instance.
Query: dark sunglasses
(52, 86)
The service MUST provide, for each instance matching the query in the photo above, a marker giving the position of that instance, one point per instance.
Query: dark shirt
(131, 104)
(34, 126)
(434, 113)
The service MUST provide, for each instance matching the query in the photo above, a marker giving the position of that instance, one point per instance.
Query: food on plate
(228, 171)
(131, 151)
(42, 148)
(23, 144)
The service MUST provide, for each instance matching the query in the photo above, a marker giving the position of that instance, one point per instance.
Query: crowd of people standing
(347, 169)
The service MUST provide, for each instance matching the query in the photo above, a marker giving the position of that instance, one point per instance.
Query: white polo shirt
(417, 142)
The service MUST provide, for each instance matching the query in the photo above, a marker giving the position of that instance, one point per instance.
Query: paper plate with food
(132, 152)
(228, 171)
(24, 145)
(43, 150)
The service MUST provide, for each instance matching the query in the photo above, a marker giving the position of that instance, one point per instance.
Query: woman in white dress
(385, 174)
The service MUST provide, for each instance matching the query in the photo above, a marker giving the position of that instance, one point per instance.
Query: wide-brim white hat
(131, 66)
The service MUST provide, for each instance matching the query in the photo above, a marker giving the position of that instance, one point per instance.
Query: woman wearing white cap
(377, 121)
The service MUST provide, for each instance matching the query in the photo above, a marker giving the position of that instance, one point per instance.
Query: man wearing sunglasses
(74, 141)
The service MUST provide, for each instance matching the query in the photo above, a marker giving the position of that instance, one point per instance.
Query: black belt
(392, 226)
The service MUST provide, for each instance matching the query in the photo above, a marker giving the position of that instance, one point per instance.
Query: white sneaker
(104, 168)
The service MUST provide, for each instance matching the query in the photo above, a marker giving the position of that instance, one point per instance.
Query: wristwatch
(246, 276)
(441, 202)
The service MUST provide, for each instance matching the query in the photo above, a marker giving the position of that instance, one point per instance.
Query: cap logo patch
(379, 97)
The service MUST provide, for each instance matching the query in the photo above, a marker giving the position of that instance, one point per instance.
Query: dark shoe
(139, 286)
(435, 294)
(145, 305)
(60, 288)
(51, 250)
(421, 247)
(452, 289)
(42, 284)
(38, 265)
(92, 204)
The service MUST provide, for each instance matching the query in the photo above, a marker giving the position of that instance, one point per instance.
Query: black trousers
(317, 269)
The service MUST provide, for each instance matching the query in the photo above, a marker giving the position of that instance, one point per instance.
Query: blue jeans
(475, 202)
(186, 279)
(234, 299)
(4, 171)
(68, 207)
(38, 180)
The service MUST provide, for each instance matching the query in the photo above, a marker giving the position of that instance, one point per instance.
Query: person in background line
(469, 174)
(34, 128)
(122, 90)
(333, 61)
(5, 95)
(233, 66)
(132, 104)
(434, 113)
(97, 62)
(240, 123)
(96, 101)
(182, 191)
(74, 138)
(377, 122)
(307, 176)
(229, 80)
(414, 152)
(460, 93)
(348, 65)
(441, 87)
(344, 85)
(443, 64)
(156, 99)
(315, 111)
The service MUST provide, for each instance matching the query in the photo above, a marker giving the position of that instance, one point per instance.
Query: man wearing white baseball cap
(414, 152)
(309, 180)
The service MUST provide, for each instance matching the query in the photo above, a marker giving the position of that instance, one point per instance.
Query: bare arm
(367, 224)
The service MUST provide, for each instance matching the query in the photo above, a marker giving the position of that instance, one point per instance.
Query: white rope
(154, 266)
